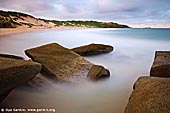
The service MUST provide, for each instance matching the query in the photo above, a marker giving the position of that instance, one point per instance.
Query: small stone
(98, 72)
(93, 49)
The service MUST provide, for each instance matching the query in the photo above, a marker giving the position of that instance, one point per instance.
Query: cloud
(123, 11)
(34, 7)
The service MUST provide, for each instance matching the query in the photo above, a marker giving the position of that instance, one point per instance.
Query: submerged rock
(11, 56)
(59, 63)
(93, 49)
(150, 95)
(14, 73)
(161, 64)
(98, 72)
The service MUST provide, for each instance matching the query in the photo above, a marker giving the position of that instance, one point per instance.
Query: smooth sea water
(132, 57)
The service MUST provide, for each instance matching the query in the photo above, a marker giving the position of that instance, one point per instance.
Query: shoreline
(9, 31)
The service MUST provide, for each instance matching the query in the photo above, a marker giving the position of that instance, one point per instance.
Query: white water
(132, 57)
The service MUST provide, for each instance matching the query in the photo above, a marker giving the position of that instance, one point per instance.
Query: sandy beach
(8, 31)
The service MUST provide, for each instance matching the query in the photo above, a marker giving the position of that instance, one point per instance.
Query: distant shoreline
(9, 31)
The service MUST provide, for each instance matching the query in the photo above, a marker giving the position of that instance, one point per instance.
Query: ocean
(132, 57)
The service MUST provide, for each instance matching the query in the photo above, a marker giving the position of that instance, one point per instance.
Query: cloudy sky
(135, 13)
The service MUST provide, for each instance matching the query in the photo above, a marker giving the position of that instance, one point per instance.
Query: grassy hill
(9, 19)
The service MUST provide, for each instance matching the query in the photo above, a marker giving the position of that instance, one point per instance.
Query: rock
(97, 72)
(38, 82)
(14, 73)
(11, 56)
(150, 95)
(161, 64)
(3, 95)
(92, 49)
(59, 63)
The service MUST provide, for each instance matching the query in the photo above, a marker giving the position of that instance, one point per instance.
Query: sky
(135, 13)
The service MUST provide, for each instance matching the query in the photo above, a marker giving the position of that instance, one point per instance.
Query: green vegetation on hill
(11, 13)
(9, 18)
(89, 24)
(6, 24)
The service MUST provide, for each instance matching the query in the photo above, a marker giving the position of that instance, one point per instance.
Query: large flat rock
(93, 49)
(161, 64)
(59, 63)
(63, 64)
(150, 95)
(14, 73)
